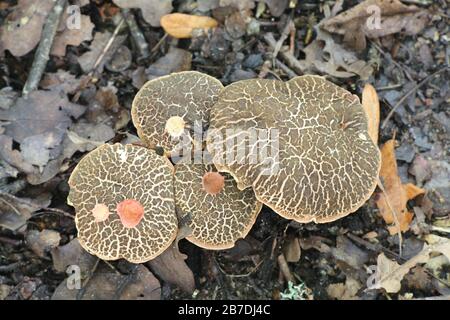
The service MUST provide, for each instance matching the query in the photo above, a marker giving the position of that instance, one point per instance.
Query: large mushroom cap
(219, 212)
(124, 201)
(166, 107)
(321, 163)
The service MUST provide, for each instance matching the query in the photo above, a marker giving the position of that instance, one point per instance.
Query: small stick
(284, 268)
(43, 51)
(289, 72)
(137, 34)
(107, 47)
(288, 57)
(421, 83)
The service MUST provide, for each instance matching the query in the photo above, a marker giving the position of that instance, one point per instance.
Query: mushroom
(323, 164)
(219, 212)
(124, 202)
(167, 107)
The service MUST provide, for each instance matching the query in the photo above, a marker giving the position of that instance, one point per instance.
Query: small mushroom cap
(327, 163)
(185, 95)
(217, 221)
(121, 180)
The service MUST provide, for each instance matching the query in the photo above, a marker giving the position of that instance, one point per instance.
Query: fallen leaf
(72, 37)
(106, 284)
(175, 60)
(277, 7)
(88, 59)
(37, 149)
(398, 194)
(61, 81)
(152, 10)
(344, 291)
(374, 19)
(171, 267)
(22, 29)
(72, 254)
(7, 97)
(389, 273)
(238, 4)
(40, 242)
(180, 25)
(371, 106)
(40, 112)
(14, 211)
(324, 55)
(346, 251)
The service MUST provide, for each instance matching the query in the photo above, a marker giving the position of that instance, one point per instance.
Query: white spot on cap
(362, 136)
(123, 155)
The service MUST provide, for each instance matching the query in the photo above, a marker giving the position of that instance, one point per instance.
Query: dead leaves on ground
(374, 19)
(389, 274)
(397, 194)
(152, 10)
(180, 25)
(22, 31)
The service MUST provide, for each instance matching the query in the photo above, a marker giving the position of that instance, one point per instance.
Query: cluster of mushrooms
(130, 199)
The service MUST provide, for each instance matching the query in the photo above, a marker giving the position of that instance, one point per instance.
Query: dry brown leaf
(14, 211)
(398, 194)
(371, 106)
(72, 37)
(344, 291)
(22, 29)
(374, 19)
(152, 10)
(106, 284)
(389, 273)
(180, 25)
(40, 242)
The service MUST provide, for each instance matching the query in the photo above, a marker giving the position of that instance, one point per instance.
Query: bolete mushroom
(219, 213)
(168, 107)
(124, 202)
(323, 165)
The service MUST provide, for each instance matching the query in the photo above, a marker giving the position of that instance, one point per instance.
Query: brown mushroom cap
(328, 164)
(165, 103)
(124, 179)
(216, 220)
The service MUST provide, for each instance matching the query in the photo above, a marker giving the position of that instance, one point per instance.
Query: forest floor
(83, 99)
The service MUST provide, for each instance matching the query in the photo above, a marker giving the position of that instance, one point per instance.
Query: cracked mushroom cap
(219, 213)
(166, 108)
(320, 163)
(124, 202)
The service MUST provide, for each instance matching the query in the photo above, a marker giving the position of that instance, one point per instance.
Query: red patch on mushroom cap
(213, 182)
(130, 212)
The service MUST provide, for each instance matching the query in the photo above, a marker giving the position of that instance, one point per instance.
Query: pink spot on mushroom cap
(100, 212)
(130, 212)
(213, 183)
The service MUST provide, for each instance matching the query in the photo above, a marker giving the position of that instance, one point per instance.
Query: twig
(43, 51)
(137, 34)
(421, 83)
(284, 35)
(394, 214)
(287, 57)
(289, 72)
(389, 57)
(284, 268)
(107, 47)
(54, 210)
